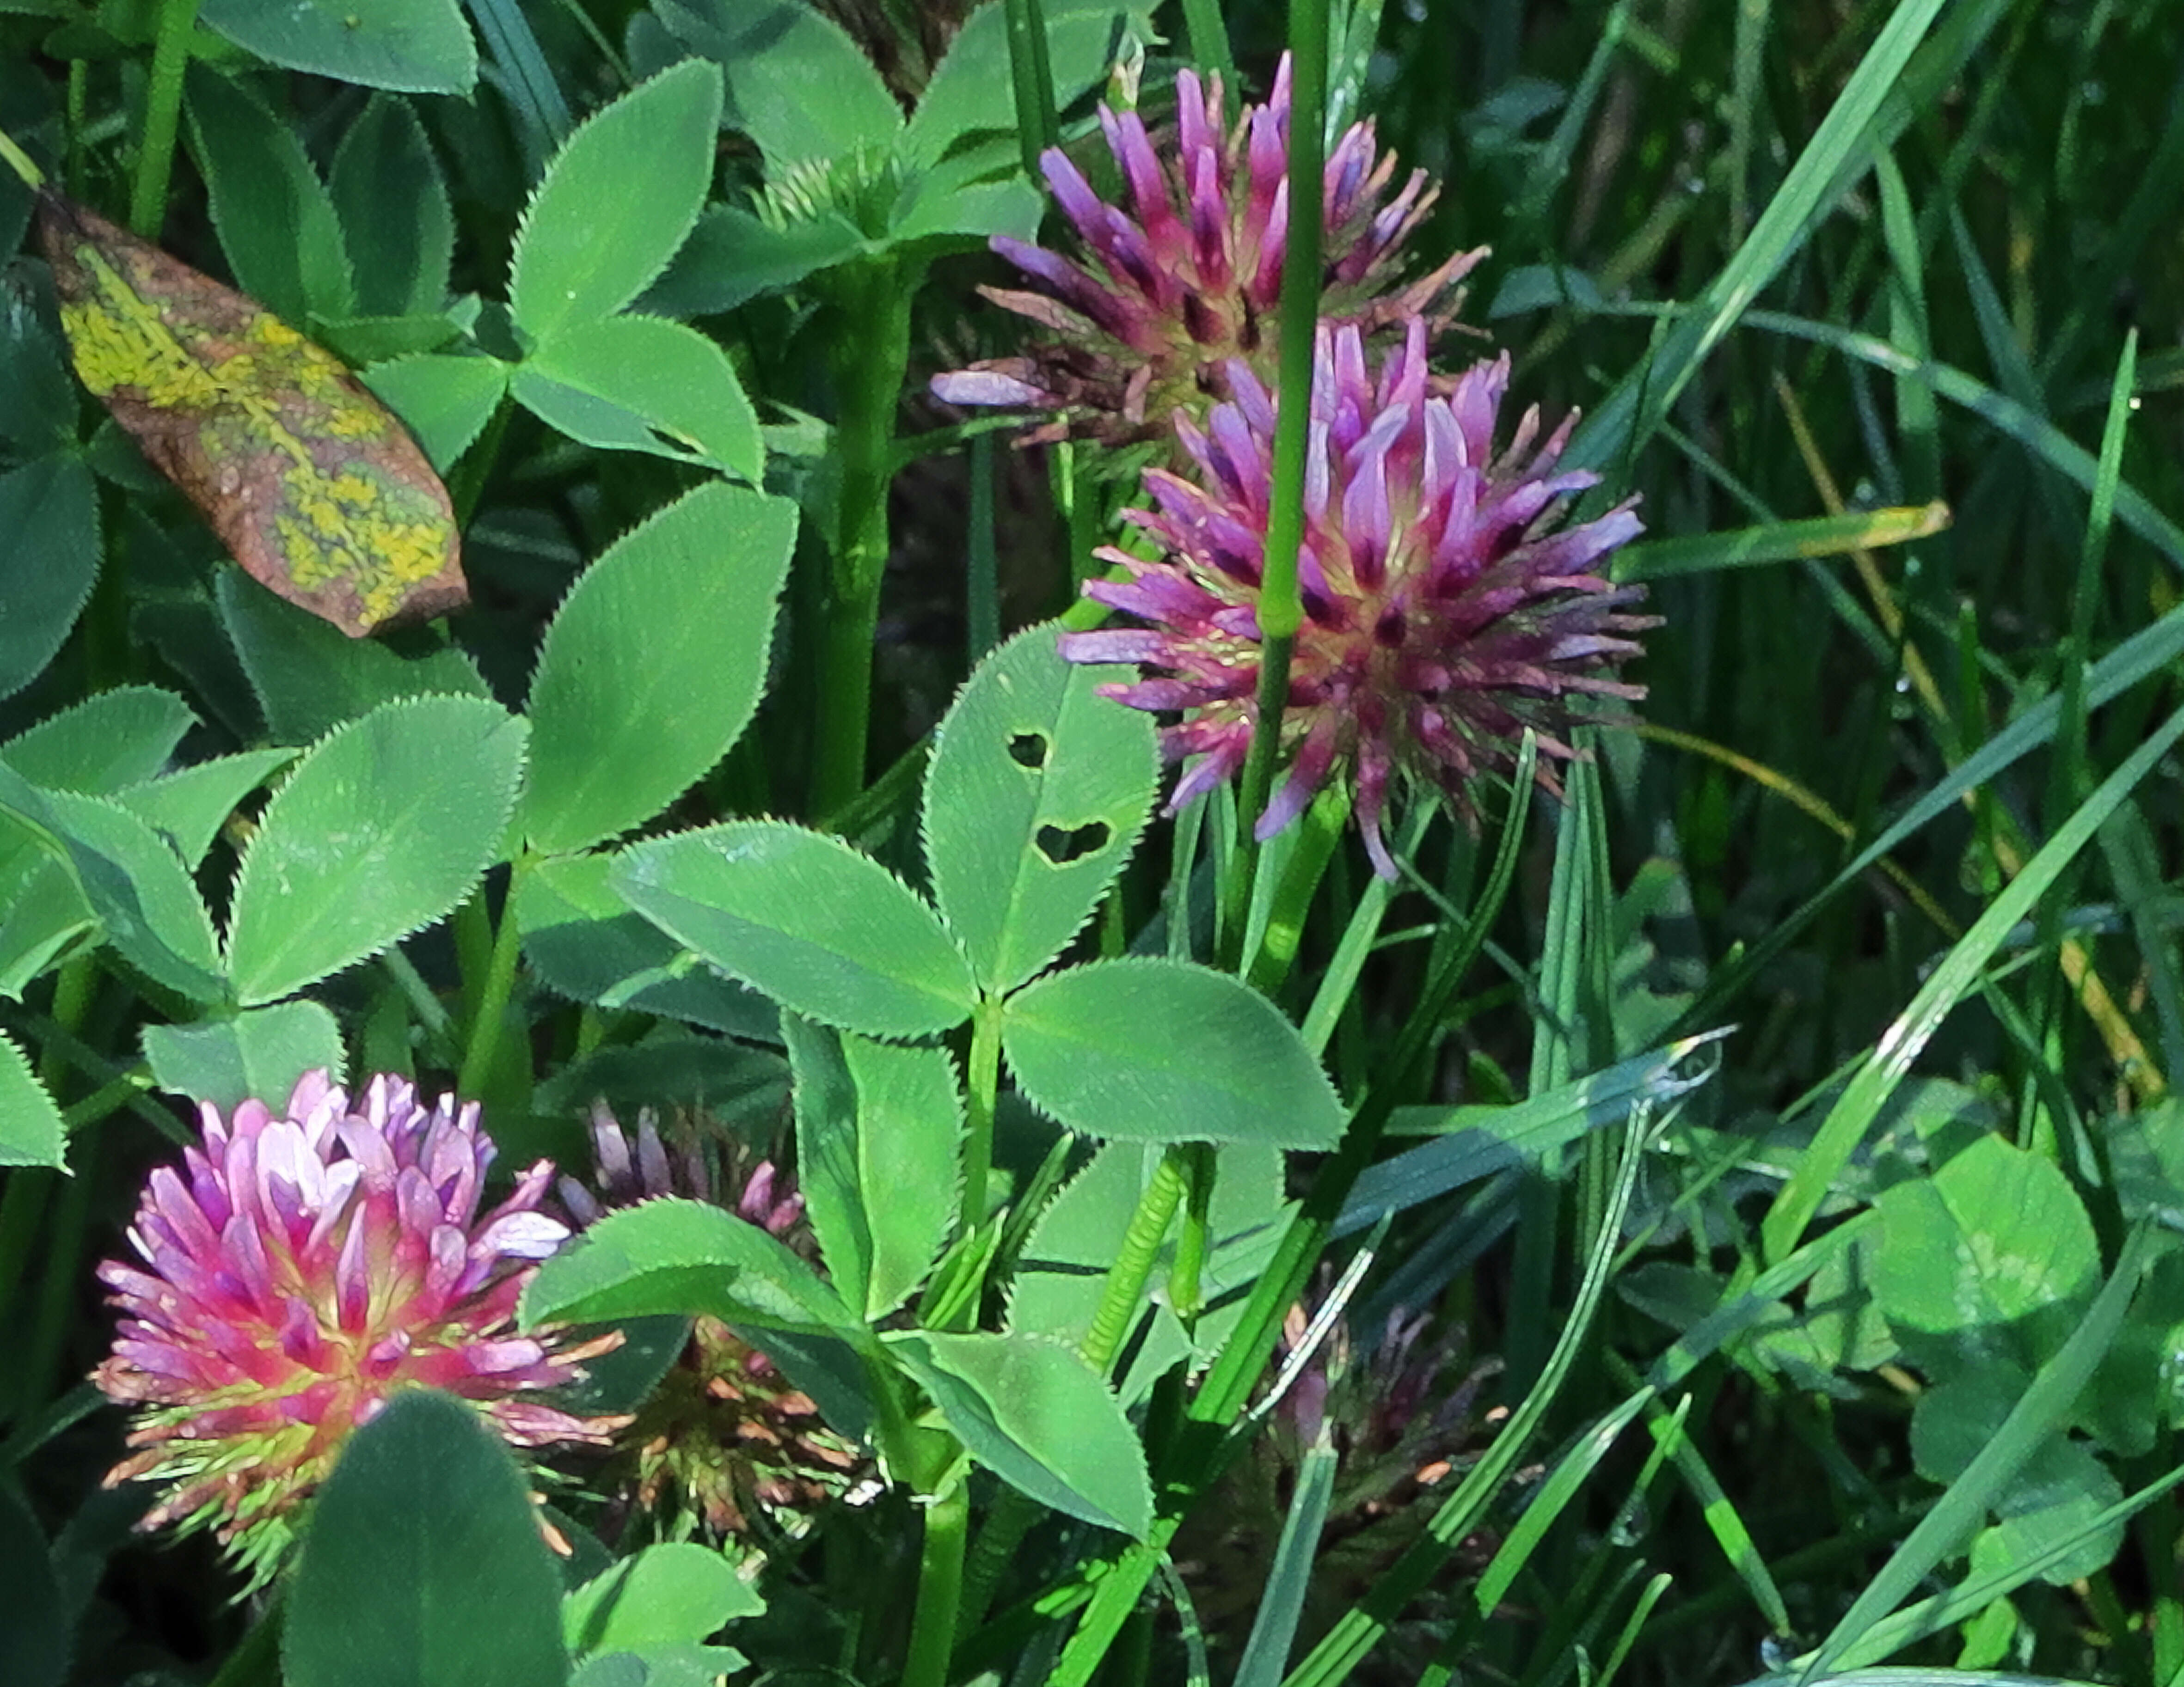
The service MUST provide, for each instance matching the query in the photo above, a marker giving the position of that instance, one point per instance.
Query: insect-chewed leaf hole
(1028, 750)
(1062, 848)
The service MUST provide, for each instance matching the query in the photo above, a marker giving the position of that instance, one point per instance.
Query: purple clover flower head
(1180, 281)
(628, 1170)
(1444, 612)
(301, 1268)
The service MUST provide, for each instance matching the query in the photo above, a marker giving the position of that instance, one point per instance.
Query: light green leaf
(687, 1257)
(381, 829)
(99, 747)
(654, 664)
(643, 383)
(802, 917)
(733, 255)
(444, 401)
(677, 1591)
(618, 199)
(429, 1513)
(393, 206)
(1160, 1051)
(1037, 793)
(1040, 1418)
(275, 219)
(49, 510)
(797, 84)
(30, 1133)
(260, 1052)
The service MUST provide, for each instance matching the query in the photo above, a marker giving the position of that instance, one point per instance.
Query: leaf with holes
(307, 479)
(1159, 1051)
(381, 829)
(804, 917)
(1038, 791)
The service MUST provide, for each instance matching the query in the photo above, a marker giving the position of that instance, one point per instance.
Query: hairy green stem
(874, 356)
(939, 1588)
(162, 112)
(1280, 609)
(1125, 1287)
(982, 1088)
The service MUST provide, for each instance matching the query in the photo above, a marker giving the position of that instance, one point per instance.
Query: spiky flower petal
(1444, 612)
(301, 1269)
(1185, 281)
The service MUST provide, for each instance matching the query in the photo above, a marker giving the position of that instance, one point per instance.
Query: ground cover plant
(817, 864)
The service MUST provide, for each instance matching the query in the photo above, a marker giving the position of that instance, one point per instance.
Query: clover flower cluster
(303, 1267)
(1447, 609)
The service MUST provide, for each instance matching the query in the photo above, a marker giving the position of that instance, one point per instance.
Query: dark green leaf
(424, 1565)
(802, 917)
(797, 84)
(420, 46)
(1037, 792)
(393, 211)
(381, 829)
(309, 678)
(444, 401)
(262, 1052)
(616, 202)
(49, 510)
(733, 255)
(654, 664)
(1162, 1052)
(969, 92)
(275, 219)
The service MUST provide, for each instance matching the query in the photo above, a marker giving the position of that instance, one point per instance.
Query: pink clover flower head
(301, 1268)
(628, 1170)
(1182, 277)
(1446, 610)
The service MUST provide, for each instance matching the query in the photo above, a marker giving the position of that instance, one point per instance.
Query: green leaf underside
(1036, 1414)
(261, 1052)
(428, 1514)
(618, 199)
(1160, 1051)
(380, 830)
(802, 917)
(654, 664)
(686, 1257)
(1037, 793)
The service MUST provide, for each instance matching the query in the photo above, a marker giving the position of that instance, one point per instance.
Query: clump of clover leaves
(1036, 795)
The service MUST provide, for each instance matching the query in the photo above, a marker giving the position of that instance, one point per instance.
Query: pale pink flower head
(301, 1268)
(1185, 280)
(1446, 609)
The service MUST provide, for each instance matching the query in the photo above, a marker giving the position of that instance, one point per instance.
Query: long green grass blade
(1281, 1602)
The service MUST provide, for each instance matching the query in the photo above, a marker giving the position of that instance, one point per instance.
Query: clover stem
(939, 1588)
(493, 1000)
(876, 298)
(984, 1087)
(163, 110)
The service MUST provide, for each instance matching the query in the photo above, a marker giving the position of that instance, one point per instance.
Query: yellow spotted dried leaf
(314, 485)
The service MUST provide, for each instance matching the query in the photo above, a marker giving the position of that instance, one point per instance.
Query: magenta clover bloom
(1188, 278)
(301, 1269)
(1444, 613)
